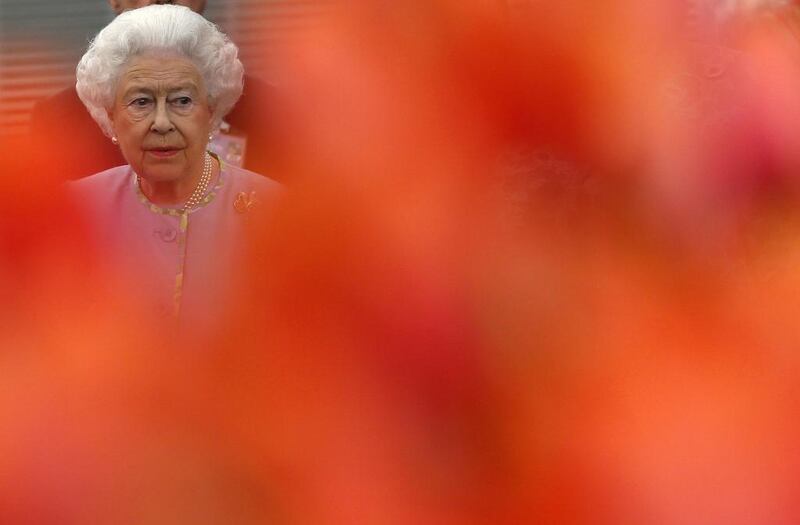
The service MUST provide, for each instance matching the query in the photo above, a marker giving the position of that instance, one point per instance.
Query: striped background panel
(41, 41)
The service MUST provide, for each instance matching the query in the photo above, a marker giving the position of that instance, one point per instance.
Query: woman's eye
(182, 101)
(140, 102)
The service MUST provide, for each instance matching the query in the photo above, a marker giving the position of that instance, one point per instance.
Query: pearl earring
(114, 141)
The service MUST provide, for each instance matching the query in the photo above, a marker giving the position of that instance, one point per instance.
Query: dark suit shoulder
(75, 144)
(254, 116)
(64, 102)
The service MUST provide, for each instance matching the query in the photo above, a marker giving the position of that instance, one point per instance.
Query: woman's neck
(169, 193)
(176, 192)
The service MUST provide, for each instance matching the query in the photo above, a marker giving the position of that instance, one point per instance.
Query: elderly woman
(158, 80)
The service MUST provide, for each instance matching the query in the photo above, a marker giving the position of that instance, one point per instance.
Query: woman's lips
(163, 153)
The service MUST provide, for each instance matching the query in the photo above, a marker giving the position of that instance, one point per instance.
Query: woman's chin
(157, 169)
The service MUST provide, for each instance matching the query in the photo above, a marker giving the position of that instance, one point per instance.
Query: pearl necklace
(202, 185)
(199, 190)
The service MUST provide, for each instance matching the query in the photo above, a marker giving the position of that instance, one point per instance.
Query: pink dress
(181, 265)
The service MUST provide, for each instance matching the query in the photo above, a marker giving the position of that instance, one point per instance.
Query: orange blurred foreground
(534, 265)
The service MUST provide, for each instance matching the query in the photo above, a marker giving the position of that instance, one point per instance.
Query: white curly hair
(159, 29)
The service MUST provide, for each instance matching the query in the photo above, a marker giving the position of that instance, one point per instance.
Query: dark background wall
(41, 41)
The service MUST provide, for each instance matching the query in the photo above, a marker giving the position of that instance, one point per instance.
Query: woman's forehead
(161, 71)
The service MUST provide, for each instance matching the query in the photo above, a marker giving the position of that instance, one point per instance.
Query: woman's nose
(161, 121)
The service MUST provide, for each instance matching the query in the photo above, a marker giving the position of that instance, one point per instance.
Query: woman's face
(161, 117)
